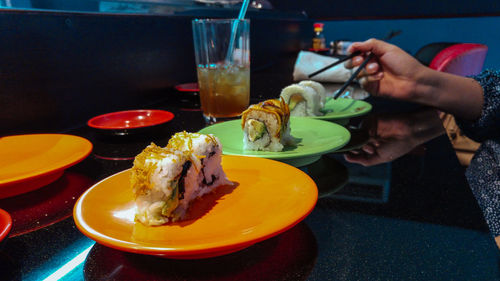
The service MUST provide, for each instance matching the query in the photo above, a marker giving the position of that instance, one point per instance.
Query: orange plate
(268, 198)
(28, 162)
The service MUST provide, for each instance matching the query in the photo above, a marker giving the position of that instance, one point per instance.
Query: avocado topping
(294, 100)
(256, 129)
(172, 202)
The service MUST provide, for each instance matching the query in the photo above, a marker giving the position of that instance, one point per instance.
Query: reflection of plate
(344, 108)
(126, 122)
(329, 175)
(5, 224)
(28, 162)
(288, 256)
(187, 87)
(316, 138)
(188, 95)
(267, 199)
(46, 206)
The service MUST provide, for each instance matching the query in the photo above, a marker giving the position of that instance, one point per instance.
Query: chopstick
(353, 76)
(389, 36)
(334, 64)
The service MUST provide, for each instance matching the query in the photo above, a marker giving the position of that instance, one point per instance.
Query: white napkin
(309, 62)
(353, 91)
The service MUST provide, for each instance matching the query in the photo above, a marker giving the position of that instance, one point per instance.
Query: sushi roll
(266, 126)
(302, 100)
(166, 180)
(320, 90)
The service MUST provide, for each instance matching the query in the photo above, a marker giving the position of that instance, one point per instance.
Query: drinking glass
(222, 51)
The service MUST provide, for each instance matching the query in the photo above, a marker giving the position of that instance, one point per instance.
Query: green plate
(315, 138)
(343, 108)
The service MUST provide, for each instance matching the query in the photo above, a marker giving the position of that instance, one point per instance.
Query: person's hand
(391, 73)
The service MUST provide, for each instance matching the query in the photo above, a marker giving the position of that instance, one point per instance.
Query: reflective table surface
(399, 209)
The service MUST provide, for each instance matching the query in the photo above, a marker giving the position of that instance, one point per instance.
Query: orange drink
(224, 91)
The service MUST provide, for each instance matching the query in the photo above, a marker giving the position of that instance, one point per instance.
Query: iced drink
(224, 91)
(222, 52)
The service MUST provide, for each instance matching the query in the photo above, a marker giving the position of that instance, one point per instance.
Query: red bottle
(318, 38)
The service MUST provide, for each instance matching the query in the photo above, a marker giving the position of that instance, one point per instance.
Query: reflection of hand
(394, 136)
(391, 73)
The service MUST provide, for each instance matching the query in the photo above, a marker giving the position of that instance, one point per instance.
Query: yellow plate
(269, 197)
(28, 162)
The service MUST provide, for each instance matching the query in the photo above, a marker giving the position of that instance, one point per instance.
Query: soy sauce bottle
(318, 38)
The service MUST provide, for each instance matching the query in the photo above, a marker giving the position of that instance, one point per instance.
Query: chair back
(461, 59)
(426, 53)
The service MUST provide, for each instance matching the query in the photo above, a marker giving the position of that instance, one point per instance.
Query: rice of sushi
(166, 180)
(273, 120)
(309, 103)
(320, 90)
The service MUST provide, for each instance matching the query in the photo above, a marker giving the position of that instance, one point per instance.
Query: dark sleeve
(483, 176)
(487, 126)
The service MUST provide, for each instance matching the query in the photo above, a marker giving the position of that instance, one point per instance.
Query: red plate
(130, 119)
(5, 224)
(188, 87)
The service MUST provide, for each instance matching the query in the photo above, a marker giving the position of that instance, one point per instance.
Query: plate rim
(180, 87)
(88, 146)
(194, 250)
(276, 155)
(168, 118)
(5, 229)
(356, 114)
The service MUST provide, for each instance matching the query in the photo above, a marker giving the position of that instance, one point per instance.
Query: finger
(371, 78)
(371, 83)
(375, 46)
(358, 159)
(357, 60)
(368, 148)
(354, 158)
(370, 69)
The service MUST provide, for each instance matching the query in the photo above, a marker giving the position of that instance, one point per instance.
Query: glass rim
(218, 20)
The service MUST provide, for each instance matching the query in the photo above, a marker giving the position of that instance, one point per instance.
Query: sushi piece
(166, 180)
(320, 90)
(266, 126)
(302, 100)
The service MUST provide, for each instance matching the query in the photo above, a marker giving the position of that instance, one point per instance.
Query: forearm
(460, 96)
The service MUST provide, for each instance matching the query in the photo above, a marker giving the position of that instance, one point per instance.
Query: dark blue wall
(58, 70)
(419, 32)
(358, 9)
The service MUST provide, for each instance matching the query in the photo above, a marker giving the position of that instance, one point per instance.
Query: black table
(409, 216)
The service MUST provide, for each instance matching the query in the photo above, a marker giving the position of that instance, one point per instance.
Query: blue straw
(243, 10)
(234, 30)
